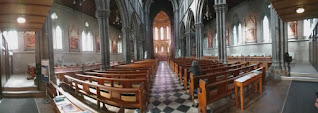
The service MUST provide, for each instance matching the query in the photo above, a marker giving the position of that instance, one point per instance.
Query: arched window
(307, 30)
(216, 40)
(240, 36)
(156, 33)
(156, 49)
(161, 33)
(235, 35)
(266, 30)
(119, 47)
(57, 38)
(162, 49)
(168, 49)
(168, 33)
(87, 41)
(12, 39)
(84, 41)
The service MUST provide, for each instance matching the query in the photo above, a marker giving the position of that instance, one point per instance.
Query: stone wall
(298, 48)
(66, 18)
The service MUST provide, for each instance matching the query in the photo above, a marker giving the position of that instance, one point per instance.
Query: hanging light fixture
(207, 14)
(300, 10)
(117, 19)
(21, 20)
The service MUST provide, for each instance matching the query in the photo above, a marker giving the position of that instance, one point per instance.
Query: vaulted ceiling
(88, 7)
(210, 4)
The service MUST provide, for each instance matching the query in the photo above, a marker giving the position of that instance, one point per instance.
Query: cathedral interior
(158, 56)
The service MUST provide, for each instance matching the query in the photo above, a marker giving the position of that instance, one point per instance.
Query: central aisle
(167, 94)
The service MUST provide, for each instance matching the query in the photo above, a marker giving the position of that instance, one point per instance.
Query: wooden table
(244, 81)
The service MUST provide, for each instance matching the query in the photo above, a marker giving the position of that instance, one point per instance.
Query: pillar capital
(102, 13)
(187, 34)
(126, 30)
(220, 8)
(176, 11)
(198, 25)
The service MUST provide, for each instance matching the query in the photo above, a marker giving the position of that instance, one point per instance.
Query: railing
(313, 49)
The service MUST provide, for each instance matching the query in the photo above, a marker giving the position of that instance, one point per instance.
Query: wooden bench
(213, 77)
(212, 70)
(124, 76)
(214, 91)
(110, 95)
(181, 68)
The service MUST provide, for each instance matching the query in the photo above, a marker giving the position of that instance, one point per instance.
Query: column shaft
(126, 44)
(221, 10)
(188, 44)
(198, 36)
(103, 22)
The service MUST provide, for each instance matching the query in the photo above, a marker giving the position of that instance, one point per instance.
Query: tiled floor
(167, 94)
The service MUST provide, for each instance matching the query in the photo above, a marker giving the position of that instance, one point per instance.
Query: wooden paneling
(34, 11)
(286, 9)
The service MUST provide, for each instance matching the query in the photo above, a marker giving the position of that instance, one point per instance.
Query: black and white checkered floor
(167, 93)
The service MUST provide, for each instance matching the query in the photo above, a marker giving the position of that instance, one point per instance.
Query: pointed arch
(266, 33)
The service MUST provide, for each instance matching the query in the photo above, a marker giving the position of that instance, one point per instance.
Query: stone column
(188, 44)
(221, 9)
(136, 50)
(141, 49)
(279, 45)
(103, 22)
(49, 52)
(149, 37)
(198, 37)
(44, 50)
(38, 56)
(181, 40)
(176, 33)
(126, 44)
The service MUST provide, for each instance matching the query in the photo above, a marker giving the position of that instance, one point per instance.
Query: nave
(169, 96)
(167, 93)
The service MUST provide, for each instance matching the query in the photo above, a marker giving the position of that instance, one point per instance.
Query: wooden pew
(124, 76)
(218, 69)
(114, 96)
(211, 92)
(213, 77)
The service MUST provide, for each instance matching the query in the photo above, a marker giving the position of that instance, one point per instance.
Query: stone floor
(19, 80)
(304, 67)
(24, 105)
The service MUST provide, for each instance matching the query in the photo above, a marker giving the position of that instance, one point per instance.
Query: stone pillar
(126, 44)
(181, 40)
(136, 50)
(176, 33)
(198, 37)
(149, 37)
(141, 49)
(188, 44)
(279, 45)
(103, 22)
(221, 9)
(49, 44)
(44, 50)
